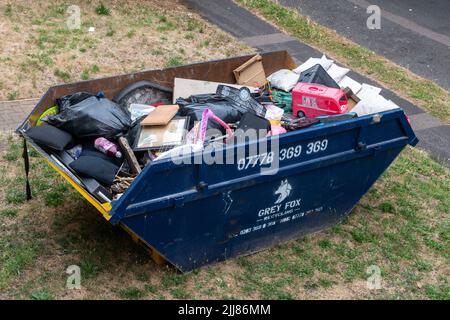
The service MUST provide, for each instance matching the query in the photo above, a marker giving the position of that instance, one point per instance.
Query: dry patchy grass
(38, 50)
(402, 225)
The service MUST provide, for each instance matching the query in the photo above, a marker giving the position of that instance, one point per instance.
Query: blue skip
(194, 214)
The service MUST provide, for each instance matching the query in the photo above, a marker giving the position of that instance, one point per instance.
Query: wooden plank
(129, 155)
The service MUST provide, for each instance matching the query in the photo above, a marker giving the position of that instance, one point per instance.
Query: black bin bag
(85, 115)
(194, 105)
(317, 74)
(228, 103)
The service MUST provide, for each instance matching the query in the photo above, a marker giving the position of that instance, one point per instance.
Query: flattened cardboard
(160, 116)
(351, 104)
(184, 88)
(251, 73)
(352, 98)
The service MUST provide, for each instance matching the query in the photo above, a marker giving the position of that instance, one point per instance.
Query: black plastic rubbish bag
(193, 108)
(228, 103)
(317, 74)
(241, 99)
(85, 115)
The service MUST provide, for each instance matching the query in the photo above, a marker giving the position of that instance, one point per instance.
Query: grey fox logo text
(284, 190)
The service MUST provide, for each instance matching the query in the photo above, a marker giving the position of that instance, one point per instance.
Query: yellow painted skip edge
(103, 208)
(157, 257)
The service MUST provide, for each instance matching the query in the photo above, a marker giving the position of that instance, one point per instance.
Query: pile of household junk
(104, 144)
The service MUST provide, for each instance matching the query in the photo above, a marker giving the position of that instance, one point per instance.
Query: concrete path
(12, 113)
(433, 134)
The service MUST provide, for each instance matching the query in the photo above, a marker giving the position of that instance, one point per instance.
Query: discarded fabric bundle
(49, 136)
(85, 115)
(336, 72)
(94, 167)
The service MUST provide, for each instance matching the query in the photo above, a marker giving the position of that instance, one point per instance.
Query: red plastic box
(313, 100)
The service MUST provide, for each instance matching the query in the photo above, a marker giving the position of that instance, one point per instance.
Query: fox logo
(283, 191)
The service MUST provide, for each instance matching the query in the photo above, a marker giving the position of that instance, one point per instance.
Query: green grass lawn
(401, 225)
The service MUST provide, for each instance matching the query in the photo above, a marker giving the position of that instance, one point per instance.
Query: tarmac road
(432, 133)
(414, 33)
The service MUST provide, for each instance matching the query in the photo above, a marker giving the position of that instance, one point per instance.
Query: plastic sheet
(85, 115)
(317, 74)
(282, 100)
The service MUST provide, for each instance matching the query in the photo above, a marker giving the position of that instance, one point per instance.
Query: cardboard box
(352, 98)
(251, 73)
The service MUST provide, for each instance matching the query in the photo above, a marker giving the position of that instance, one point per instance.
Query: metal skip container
(193, 213)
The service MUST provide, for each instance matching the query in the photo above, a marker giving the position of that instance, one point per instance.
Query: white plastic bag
(139, 110)
(337, 73)
(274, 113)
(283, 79)
(367, 91)
(311, 62)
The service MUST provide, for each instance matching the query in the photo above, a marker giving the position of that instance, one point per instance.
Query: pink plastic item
(276, 129)
(313, 100)
(274, 115)
(206, 115)
(107, 147)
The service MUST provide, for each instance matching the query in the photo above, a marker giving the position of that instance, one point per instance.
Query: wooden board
(184, 88)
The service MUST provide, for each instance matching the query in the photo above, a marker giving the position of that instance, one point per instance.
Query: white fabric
(283, 79)
(367, 91)
(311, 62)
(337, 73)
(373, 103)
(347, 82)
